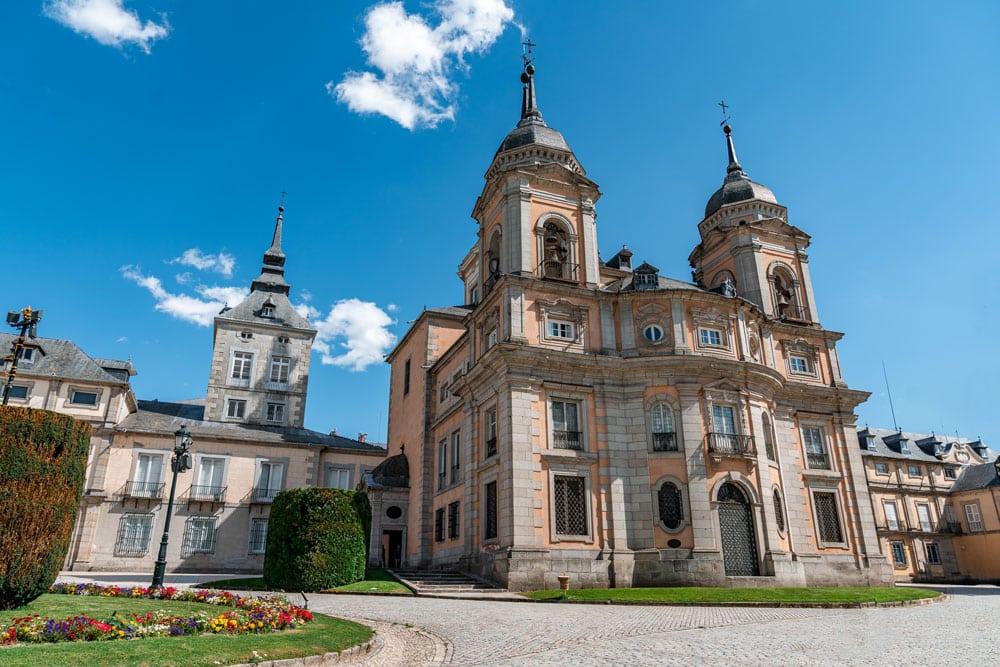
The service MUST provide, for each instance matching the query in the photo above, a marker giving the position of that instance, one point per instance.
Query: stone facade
(597, 419)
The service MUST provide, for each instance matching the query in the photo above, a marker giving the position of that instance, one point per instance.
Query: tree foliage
(43, 460)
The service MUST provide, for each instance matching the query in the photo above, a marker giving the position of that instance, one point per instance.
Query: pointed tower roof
(272, 274)
(737, 186)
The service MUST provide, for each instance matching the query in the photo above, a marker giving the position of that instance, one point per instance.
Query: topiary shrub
(43, 463)
(315, 539)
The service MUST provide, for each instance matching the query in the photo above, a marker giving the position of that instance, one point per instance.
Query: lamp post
(27, 321)
(180, 462)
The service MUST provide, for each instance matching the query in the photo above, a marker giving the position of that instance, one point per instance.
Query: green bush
(43, 462)
(316, 539)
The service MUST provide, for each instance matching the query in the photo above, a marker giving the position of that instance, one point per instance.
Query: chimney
(362, 437)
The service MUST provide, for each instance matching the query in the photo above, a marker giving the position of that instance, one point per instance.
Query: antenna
(725, 112)
(889, 392)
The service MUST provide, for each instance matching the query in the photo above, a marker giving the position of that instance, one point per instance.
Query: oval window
(393, 512)
(653, 333)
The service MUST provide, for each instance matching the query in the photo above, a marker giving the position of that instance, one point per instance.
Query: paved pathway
(962, 630)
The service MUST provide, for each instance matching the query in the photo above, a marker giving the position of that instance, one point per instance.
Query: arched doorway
(739, 548)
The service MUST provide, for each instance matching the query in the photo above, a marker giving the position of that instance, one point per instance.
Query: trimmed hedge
(316, 539)
(43, 464)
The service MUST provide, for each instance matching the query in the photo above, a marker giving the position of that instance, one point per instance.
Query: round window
(393, 512)
(653, 333)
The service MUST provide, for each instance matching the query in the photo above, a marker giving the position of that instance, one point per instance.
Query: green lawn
(322, 635)
(728, 595)
(376, 581)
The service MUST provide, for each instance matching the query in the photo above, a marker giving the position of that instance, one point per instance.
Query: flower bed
(246, 616)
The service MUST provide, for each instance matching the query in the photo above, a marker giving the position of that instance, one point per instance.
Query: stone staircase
(445, 582)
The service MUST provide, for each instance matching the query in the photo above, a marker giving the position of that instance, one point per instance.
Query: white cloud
(358, 330)
(223, 263)
(200, 310)
(416, 60)
(107, 21)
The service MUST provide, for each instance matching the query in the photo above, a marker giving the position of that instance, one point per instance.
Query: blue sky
(151, 140)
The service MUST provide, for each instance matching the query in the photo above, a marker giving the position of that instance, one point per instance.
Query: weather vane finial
(725, 112)
(526, 47)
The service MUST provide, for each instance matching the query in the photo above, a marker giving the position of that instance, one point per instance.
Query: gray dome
(736, 188)
(533, 133)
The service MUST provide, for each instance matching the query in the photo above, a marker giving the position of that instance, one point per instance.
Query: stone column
(607, 328)
(588, 224)
(627, 324)
(517, 490)
(681, 343)
(807, 286)
(692, 426)
(513, 325)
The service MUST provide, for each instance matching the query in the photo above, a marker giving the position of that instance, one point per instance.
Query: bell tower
(747, 243)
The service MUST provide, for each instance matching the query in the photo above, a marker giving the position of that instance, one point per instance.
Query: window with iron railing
(141, 489)
(215, 494)
(134, 531)
(815, 448)
(731, 444)
(664, 436)
(566, 432)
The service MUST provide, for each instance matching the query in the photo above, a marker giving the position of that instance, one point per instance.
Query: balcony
(950, 527)
(664, 442)
(139, 489)
(553, 270)
(731, 444)
(817, 461)
(212, 494)
(263, 496)
(567, 440)
(795, 314)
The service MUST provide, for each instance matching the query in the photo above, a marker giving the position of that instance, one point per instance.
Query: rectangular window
(208, 480)
(949, 473)
(566, 432)
(491, 338)
(439, 524)
(490, 519)
(933, 553)
(456, 456)
(147, 482)
(799, 364)
(812, 441)
(276, 413)
(200, 538)
(269, 481)
(26, 356)
(913, 471)
(242, 363)
(881, 468)
(83, 398)
(560, 329)
(337, 478)
(236, 408)
(406, 377)
(646, 280)
(443, 392)
(827, 517)
(570, 503)
(453, 520)
(491, 432)
(924, 516)
(898, 553)
(280, 366)
(710, 337)
(18, 392)
(891, 515)
(974, 518)
(723, 419)
(258, 535)
(442, 464)
(134, 531)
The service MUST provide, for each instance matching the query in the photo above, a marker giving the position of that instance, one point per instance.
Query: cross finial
(526, 47)
(282, 202)
(725, 112)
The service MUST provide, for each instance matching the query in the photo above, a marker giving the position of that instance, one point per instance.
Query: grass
(692, 595)
(376, 581)
(322, 635)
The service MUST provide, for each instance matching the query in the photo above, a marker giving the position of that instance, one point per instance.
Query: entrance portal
(739, 548)
(392, 548)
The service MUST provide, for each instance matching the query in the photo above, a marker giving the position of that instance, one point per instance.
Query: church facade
(597, 419)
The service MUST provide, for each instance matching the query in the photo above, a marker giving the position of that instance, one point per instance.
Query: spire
(272, 273)
(529, 108)
(734, 164)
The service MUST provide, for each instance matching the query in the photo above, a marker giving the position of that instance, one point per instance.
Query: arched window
(664, 435)
(779, 512)
(786, 301)
(493, 260)
(555, 251)
(671, 506)
(768, 437)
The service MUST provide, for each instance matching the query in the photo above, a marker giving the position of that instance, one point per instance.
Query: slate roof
(64, 359)
(249, 309)
(168, 416)
(886, 444)
(454, 311)
(393, 473)
(627, 284)
(736, 188)
(981, 476)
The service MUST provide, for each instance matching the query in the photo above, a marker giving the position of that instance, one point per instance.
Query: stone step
(444, 581)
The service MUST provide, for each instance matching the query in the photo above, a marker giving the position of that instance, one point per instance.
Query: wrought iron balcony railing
(140, 489)
(567, 440)
(817, 460)
(552, 270)
(262, 496)
(215, 494)
(731, 444)
(793, 313)
(664, 442)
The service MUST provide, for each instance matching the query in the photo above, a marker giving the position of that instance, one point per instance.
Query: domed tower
(260, 357)
(536, 212)
(746, 239)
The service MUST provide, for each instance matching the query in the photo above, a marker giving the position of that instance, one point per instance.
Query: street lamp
(27, 321)
(180, 462)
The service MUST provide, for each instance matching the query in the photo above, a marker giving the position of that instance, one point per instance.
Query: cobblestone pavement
(961, 630)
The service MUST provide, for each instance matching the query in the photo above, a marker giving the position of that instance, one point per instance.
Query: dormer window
(26, 356)
(268, 309)
(646, 277)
